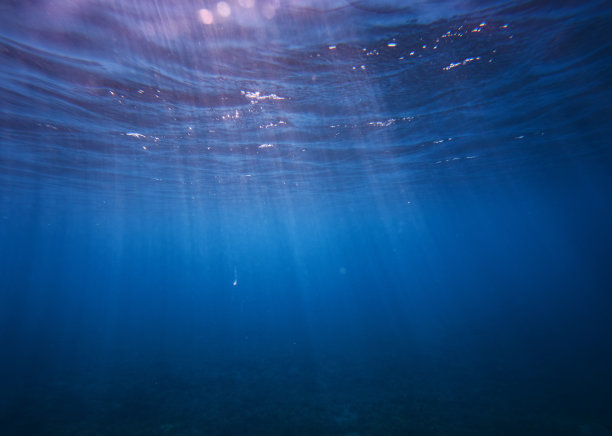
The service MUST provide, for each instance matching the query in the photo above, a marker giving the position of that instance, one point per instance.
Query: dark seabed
(305, 217)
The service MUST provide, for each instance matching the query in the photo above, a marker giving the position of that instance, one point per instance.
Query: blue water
(305, 217)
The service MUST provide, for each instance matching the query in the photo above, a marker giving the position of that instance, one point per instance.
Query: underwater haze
(294, 217)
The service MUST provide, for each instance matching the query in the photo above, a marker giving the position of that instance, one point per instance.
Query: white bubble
(224, 9)
(206, 16)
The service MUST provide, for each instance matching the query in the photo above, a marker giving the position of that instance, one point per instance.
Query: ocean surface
(305, 217)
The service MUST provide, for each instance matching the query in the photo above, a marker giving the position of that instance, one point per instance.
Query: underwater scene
(305, 217)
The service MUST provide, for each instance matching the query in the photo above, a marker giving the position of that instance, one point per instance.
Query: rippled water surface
(344, 217)
(275, 99)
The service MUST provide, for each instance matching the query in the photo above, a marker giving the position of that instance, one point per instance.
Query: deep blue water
(302, 217)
